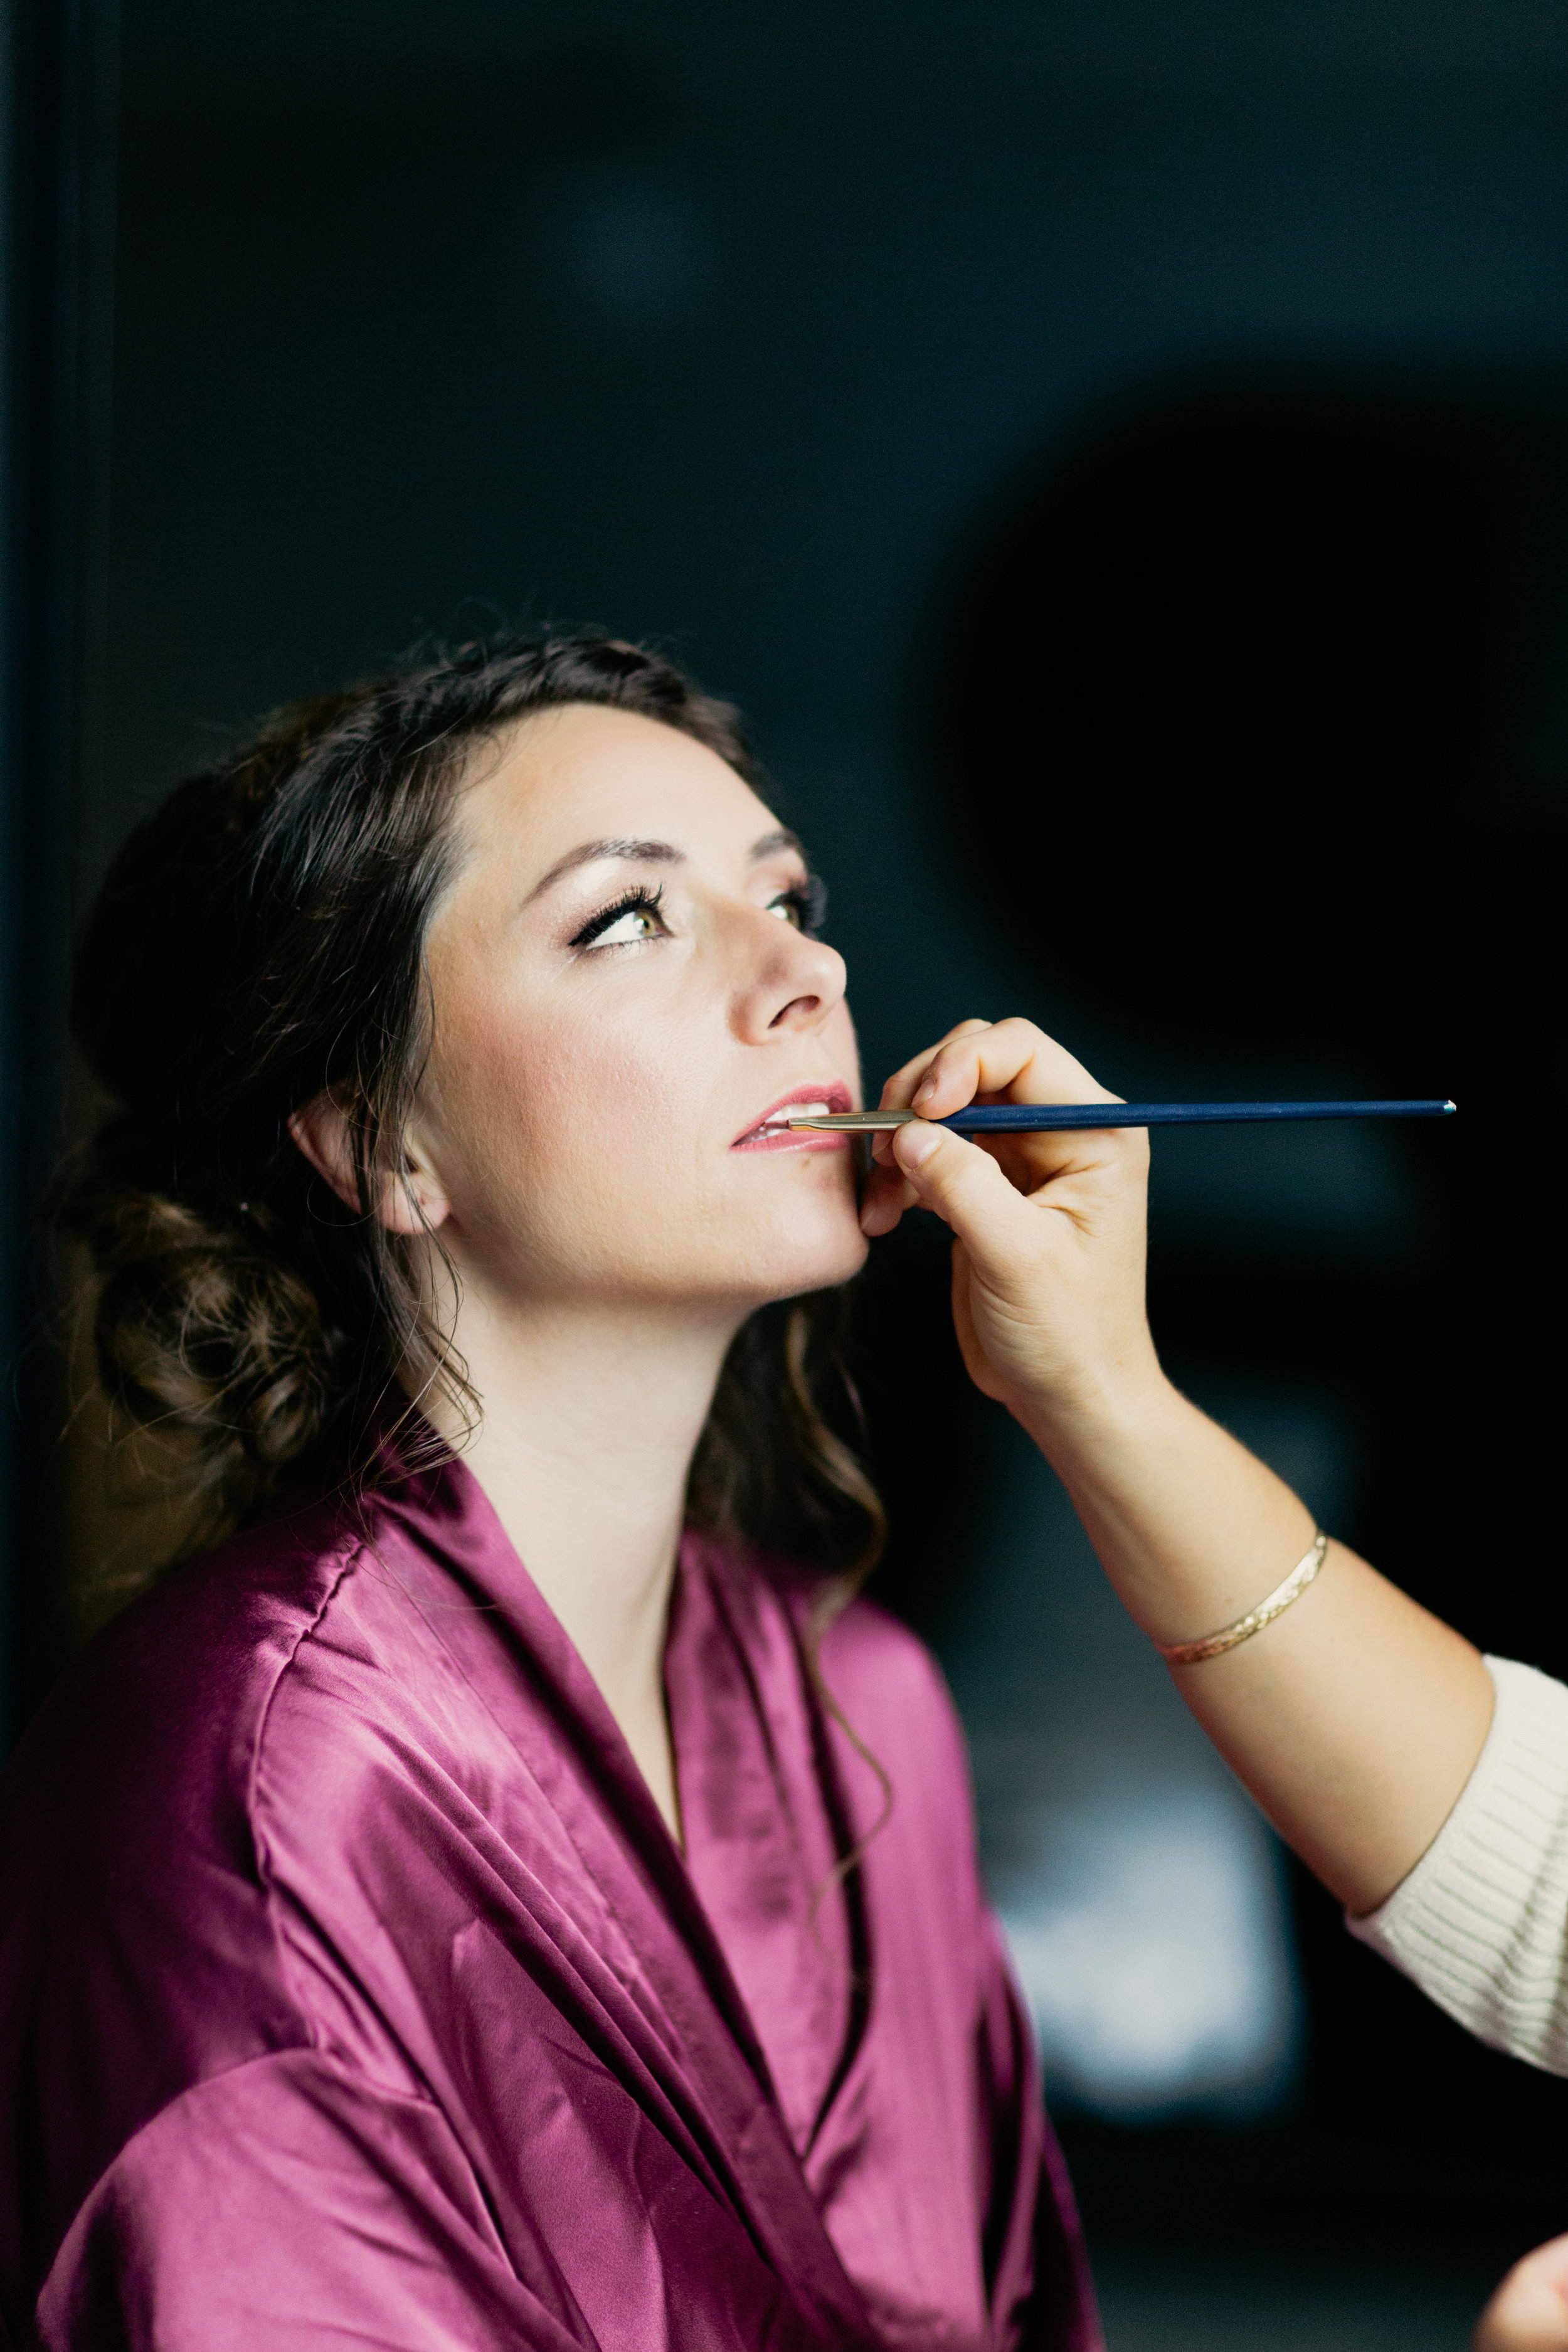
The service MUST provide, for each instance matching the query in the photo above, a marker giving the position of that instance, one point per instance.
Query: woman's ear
(408, 1200)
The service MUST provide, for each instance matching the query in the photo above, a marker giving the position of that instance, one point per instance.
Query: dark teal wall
(724, 323)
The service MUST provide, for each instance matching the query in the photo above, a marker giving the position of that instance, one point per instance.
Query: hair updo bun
(259, 940)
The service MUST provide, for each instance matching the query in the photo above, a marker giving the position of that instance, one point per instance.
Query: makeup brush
(1047, 1118)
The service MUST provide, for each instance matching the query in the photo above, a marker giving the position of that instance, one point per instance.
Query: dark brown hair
(261, 938)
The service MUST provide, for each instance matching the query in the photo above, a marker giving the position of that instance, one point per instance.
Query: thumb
(964, 1186)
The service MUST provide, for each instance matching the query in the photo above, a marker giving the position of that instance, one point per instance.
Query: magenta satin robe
(353, 1993)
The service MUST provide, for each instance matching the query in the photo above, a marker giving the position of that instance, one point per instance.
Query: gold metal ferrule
(857, 1122)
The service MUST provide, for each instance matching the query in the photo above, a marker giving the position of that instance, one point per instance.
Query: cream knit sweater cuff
(1481, 1922)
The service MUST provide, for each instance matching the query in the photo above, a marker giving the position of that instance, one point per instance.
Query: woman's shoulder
(292, 1666)
(903, 1764)
(882, 1680)
(873, 1665)
(139, 1810)
(890, 1687)
(168, 1697)
(146, 1938)
(149, 1742)
(866, 1642)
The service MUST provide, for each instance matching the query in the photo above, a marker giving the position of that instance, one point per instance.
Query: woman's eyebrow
(656, 853)
(630, 853)
(772, 843)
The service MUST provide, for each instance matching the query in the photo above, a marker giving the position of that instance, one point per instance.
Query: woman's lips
(773, 1131)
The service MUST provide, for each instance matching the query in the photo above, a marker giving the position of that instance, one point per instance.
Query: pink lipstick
(773, 1131)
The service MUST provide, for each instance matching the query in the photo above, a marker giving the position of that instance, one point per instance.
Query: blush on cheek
(614, 1089)
(544, 1120)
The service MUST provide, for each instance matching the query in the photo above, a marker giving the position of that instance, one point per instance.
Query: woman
(408, 1942)
(402, 1943)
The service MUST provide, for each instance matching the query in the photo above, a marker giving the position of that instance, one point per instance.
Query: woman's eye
(637, 923)
(623, 925)
(804, 905)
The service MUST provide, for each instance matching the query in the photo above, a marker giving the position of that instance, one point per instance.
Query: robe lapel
(766, 1839)
(655, 1971)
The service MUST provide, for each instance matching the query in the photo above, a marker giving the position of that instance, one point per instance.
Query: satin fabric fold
(353, 1990)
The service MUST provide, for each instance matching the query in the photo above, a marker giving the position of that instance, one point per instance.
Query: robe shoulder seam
(254, 1808)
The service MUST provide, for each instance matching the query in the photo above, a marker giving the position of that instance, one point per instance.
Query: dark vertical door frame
(58, 118)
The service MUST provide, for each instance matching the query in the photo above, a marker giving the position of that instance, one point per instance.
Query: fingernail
(925, 1090)
(914, 1145)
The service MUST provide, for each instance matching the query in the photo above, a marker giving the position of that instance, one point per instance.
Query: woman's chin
(832, 1253)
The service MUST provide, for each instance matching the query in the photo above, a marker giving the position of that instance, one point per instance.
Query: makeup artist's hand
(1047, 1262)
(1529, 2312)
(1357, 1718)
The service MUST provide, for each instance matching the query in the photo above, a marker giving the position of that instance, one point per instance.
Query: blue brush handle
(1045, 1118)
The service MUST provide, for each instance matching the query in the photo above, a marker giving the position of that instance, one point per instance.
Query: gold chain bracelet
(1189, 1653)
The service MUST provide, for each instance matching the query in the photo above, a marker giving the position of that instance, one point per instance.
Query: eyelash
(808, 897)
(811, 899)
(626, 904)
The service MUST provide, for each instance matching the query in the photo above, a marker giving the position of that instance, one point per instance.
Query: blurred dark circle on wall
(1266, 683)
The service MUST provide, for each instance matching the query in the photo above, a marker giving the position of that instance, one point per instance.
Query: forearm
(1356, 1718)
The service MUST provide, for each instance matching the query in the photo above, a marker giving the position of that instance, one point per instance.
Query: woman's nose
(794, 983)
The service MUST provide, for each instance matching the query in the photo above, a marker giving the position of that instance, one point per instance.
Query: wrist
(1100, 1418)
(1186, 1522)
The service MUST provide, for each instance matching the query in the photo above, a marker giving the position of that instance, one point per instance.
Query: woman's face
(623, 993)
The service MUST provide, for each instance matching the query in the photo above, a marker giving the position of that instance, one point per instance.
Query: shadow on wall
(1250, 729)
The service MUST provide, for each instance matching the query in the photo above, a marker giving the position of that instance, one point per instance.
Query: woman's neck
(589, 1422)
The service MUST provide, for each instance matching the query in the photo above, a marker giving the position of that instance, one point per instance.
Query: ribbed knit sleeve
(1482, 1923)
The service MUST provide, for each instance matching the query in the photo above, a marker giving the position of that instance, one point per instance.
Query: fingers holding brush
(1048, 1267)
(901, 1089)
(888, 1192)
(1002, 1061)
